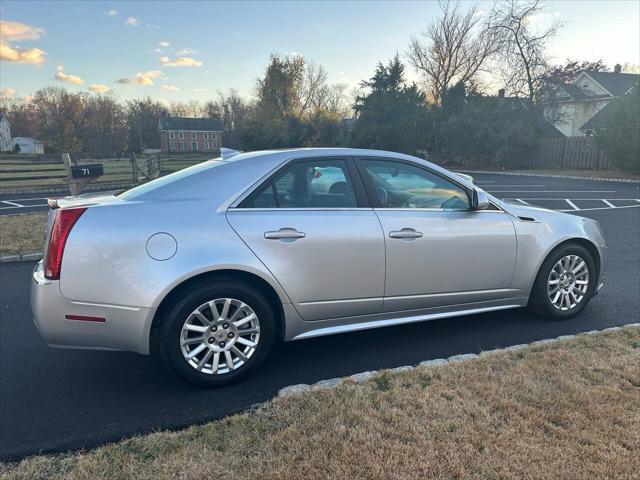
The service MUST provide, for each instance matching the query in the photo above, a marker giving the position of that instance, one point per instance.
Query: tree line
(447, 114)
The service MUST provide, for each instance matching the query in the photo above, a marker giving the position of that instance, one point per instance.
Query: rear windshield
(135, 192)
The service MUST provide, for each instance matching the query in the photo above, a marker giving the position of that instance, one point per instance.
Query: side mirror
(480, 199)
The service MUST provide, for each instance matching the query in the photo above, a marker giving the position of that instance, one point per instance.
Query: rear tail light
(63, 222)
(317, 174)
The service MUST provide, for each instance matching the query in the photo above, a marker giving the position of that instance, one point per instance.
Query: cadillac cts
(209, 266)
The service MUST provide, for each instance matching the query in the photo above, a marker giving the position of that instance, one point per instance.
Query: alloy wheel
(568, 282)
(220, 336)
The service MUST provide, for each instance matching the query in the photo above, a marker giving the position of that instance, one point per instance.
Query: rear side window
(306, 184)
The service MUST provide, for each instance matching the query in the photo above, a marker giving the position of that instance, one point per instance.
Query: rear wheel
(218, 333)
(565, 283)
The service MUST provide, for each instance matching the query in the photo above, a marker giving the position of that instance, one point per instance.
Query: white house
(6, 145)
(29, 145)
(570, 107)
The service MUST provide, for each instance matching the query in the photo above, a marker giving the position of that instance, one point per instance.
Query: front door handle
(284, 234)
(405, 233)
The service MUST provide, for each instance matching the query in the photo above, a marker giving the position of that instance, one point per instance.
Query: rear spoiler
(53, 202)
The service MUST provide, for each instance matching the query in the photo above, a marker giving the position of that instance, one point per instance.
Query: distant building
(6, 145)
(573, 108)
(180, 134)
(29, 145)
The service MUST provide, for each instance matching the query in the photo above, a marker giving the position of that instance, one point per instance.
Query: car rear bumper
(123, 328)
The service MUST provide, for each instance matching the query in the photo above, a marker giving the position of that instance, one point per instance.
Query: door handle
(405, 233)
(284, 234)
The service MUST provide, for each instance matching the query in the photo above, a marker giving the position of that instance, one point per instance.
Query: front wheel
(218, 333)
(565, 283)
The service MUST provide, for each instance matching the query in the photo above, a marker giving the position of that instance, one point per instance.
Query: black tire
(176, 315)
(539, 301)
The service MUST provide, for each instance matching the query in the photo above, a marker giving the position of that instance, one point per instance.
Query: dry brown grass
(22, 233)
(570, 410)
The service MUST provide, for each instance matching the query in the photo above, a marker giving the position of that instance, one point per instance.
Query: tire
(541, 301)
(229, 332)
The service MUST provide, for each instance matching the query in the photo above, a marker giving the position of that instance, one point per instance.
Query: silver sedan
(209, 266)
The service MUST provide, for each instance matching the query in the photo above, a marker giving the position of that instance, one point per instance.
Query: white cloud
(187, 51)
(21, 55)
(141, 78)
(7, 92)
(63, 77)
(163, 44)
(111, 13)
(169, 88)
(132, 22)
(180, 62)
(99, 88)
(19, 31)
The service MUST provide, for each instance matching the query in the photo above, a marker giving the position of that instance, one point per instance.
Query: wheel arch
(260, 283)
(590, 246)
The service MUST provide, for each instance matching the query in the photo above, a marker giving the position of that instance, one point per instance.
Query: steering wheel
(383, 195)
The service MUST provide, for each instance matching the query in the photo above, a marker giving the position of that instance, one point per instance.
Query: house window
(172, 146)
(193, 135)
(206, 134)
(172, 135)
(194, 146)
(206, 144)
(181, 135)
(181, 145)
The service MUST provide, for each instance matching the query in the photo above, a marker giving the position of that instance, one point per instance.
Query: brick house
(180, 134)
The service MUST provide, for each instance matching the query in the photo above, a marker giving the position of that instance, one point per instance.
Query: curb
(361, 377)
(23, 257)
(568, 177)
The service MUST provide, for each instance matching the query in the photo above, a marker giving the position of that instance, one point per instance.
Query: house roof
(3, 117)
(184, 123)
(597, 121)
(27, 139)
(617, 84)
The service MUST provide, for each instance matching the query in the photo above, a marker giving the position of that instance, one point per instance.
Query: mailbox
(90, 170)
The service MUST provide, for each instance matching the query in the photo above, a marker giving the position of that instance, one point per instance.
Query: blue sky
(217, 45)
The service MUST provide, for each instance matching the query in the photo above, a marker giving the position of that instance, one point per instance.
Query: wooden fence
(569, 153)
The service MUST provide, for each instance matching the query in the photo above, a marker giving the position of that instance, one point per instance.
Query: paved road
(52, 400)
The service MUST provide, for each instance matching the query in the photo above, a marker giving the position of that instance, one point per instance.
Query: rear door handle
(405, 233)
(284, 234)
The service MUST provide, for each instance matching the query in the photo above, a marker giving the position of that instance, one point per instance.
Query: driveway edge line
(364, 376)
(21, 257)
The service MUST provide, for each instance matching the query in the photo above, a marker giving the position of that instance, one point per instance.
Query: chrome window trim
(300, 209)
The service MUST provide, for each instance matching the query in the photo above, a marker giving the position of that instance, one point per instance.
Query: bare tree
(523, 57)
(453, 49)
(314, 87)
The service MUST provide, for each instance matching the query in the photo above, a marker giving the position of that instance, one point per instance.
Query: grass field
(21, 233)
(566, 410)
(28, 174)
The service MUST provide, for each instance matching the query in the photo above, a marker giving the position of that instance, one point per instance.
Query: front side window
(399, 185)
(306, 184)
